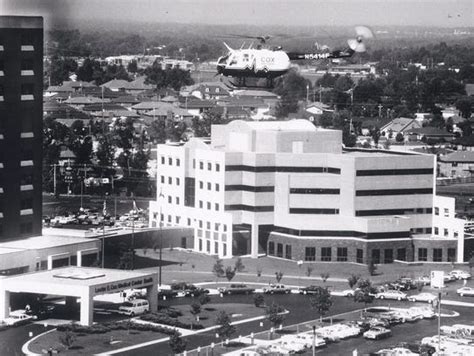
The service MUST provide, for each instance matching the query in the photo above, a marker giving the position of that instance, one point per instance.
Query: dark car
(309, 290)
(42, 313)
(236, 289)
(188, 290)
(166, 294)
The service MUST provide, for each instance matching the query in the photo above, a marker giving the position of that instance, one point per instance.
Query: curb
(25, 346)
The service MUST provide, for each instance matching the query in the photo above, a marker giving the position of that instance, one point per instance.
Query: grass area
(90, 344)
(209, 312)
(194, 267)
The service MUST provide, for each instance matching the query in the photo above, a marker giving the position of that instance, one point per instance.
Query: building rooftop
(45, 241)
(290, 125)
(459, 157)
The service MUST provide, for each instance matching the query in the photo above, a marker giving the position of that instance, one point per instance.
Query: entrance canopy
(80, 282)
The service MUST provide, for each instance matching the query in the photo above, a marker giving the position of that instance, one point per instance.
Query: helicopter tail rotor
(358, 44)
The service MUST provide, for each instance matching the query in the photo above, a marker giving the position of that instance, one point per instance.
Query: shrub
(106, 327)
(258, 300)
(166, 320)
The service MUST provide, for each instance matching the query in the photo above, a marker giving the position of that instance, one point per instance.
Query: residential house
(127, 101)
(207, 90)
(429, 133)
(399, 125)
(457, 164)
(138, 86)
(116, 85)
(196, 106)
(168, 111)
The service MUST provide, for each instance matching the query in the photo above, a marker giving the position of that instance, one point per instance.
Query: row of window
(208, 247)
(27, 91)
(445, 232)
(446, 212)
(170, 180)
(209, 205)
(437, 254)
(189, 222)
(393, 212)
(217, 166)
(170, 161)
(27, 64)
(209, 186)
(177, 180)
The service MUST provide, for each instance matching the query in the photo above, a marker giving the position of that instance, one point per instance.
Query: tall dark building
(21, 110)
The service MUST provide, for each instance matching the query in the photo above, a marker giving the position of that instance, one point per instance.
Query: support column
(79, 259)
(50, 262)
(254, 241)
(152, 296)
(87, 309)
(4, 304)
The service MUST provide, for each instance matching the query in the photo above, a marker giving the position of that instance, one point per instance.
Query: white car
(409, 315)
(460, 274)
(135, 307)
(422, 297)
(391, 294)
(292, 345)
(276, 289)
(305, 339)
(344, 293)
(397, 351)
(376, 333)
(465, 291)
(426, 312)
(424, 280)
(18, 317)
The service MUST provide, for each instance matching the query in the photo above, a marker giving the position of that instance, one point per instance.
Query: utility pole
(320, 94)
(307, 95)
(54, 179)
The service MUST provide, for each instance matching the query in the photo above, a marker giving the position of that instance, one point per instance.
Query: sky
(442, 13)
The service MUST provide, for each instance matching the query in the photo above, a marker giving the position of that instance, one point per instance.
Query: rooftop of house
(430, 131)
(458, 157)
(401, 124)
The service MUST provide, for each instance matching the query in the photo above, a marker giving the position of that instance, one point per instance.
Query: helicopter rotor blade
(358, 44)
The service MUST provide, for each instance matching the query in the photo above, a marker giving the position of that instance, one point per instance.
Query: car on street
(465, 291)
(135, 307)
(409, 315)
(236, 289)
(397, 351)
(391, 294)
(460, 274)
(164, 294)
(423, 297)
(426, 312)
(188, 290)
(377, 332)
(305, 339)
(424, 280)
(309, 289)
(17, 318)
(448, 278)
(276, 289)
(294, 347)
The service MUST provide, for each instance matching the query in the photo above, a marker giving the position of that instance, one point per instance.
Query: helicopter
(271, 63)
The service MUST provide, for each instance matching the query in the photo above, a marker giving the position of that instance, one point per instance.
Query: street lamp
(314, 340)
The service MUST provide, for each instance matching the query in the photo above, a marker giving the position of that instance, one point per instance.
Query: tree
(67, 338)
(399, 137)
(132, 67)
(321, 301)
(225, 329)
(202, 126)
(258, 300)
(471, 263)
(365, 292)
(274, 314)
(286, 105)
(352, 280)
(176, 343)
(173, 78)
(239, 266)
(204, 299)
(59, 69)
(218, 269)
(371, 267)
(278, 276)
(195, 309)
(464, 105)
(105, 155)
(229, 273)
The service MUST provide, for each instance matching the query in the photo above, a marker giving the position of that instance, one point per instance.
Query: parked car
(135, 307)
(373, 322)
(424, 280)
(423, 297)
(188, 290)
(236, 289)
(459, 274)
(409, 315)
(465, 291)
(304, 339)
(276, 289)
(294, 347)
(343, 293)
(309, 289)
(166, 294)
(17, 318)
(448, 278)
(377, 332)
(391, 317)
(397, 351)
(391, 294)
(426, 312)
(41, 313)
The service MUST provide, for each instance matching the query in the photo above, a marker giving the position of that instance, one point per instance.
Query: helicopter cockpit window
(233, 60)
(223, 60)
(246, 57)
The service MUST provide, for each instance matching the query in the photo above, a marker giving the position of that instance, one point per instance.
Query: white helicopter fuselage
(264, 63)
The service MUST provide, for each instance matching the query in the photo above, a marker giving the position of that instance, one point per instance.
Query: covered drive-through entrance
(78, 282)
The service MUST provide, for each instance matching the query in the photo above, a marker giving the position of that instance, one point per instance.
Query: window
(388, 255)
(271, 248)
(402, 254)
(216, 227)
(208, 246)
(170, 218)
(218, 167)
(216, 247)
(224, 249)
(342, 254)
(446, 212)
(217, 187)
(437, 255)
(200, 245)
(376, 256)
(436, 231)
(27, 91)
(170, 180)
(163, 179)
(225, 228)
(170, 161)
(446, 233)
(201, 204)
(288, 252)
(216, 205)
(209, 186)
(189, 222)
(423, 254)
(326, 254)
(177, 200)
(178, 162)
(428, 230)
(310, 254)
(208, 225)
(177, 181)
(27, 64)
(456, 234)
(194, 163)
(360, 256)
(170, 199)
(200, 224)
(279, 250)
(201, 184)
(436, 211)
(209, 166)
(208, 205)
(201, 165)
(177, 219)
(162, 159)
(451, 255)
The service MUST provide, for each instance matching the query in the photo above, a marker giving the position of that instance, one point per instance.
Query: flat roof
(21, 22)
(75, 281)
(367, 152)
(45, 241)
(6, 250)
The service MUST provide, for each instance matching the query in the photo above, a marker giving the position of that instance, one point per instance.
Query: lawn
(90, 344)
